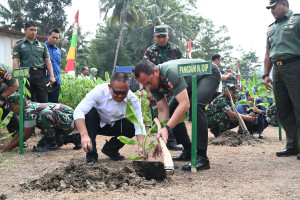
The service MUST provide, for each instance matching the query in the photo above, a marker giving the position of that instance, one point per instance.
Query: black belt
(283, 62)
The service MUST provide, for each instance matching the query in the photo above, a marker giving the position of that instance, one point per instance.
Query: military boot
(75, 139)
(111, 149)
(50, 146)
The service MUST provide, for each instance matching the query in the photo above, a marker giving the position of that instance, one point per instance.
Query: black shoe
(77, 141)
(91, 158)
(215, 131)
(261, 137)
(113, 154)
(173, 147)
(201, 164)
(25, 144)
(47, 147)
(298, 156)
(184, 156)
(286, 152)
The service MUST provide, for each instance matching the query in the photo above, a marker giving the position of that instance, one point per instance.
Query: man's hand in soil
(140, 151)
(86, 143)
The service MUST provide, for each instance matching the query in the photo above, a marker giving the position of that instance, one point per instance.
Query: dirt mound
(82, 177)
(233, 139)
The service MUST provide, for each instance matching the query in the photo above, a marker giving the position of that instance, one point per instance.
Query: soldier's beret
(13, 98)
(273, 3)
(231, 87)
(161, 30)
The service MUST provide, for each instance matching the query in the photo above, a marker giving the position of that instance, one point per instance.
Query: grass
(6, 159)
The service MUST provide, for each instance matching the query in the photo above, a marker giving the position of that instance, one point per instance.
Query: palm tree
(124, 11)
(15, 16)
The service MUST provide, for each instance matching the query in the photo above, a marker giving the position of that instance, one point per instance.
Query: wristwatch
(170, 130)
(264, 76)
(2, 98)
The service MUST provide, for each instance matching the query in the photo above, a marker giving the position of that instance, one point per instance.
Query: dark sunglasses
(119, 92)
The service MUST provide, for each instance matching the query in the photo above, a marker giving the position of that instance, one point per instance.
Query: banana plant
(260, 92)
(131, 115)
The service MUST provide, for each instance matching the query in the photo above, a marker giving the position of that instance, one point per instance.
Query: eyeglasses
(119, 92)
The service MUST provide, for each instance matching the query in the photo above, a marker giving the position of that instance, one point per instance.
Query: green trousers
(286, 86)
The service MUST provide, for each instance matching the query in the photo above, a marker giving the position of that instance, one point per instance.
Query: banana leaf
(127, 140)
(7, 136)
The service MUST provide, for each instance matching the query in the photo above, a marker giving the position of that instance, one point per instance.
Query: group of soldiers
(103, 110)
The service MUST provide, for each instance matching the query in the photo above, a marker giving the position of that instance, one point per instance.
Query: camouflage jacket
(158, 55)
(6, 77)
(56, 115)
(218, 105)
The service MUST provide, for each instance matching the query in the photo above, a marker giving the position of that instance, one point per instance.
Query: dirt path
(243, 172)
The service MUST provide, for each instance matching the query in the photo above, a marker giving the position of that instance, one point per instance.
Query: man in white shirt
(84, 72)
(102, 112)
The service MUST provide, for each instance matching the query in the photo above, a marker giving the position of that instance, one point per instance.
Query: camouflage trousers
(272, 115)
(221, 122)
(57, 123)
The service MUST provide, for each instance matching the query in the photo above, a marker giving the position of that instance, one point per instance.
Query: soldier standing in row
(29, 52)
(160, 52)
(283, 54)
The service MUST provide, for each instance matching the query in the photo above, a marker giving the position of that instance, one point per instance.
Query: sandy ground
(243, 172)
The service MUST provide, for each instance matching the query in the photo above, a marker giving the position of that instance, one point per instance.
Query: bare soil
(242, 167)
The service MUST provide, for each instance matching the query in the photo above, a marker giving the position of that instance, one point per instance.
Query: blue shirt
(55, 56)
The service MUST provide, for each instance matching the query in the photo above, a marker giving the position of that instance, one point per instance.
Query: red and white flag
(190, 49)
(239, 73)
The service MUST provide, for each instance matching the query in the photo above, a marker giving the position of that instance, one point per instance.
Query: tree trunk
(119, 41)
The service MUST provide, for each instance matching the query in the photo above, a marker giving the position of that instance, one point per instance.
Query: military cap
(273, 3)
(13, 98)
(161, 30)
(231, 87)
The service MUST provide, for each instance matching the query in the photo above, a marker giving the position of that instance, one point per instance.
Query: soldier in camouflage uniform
(160, 52)
(272, 115)
(8, 85)
(55, 121)
(219, 112)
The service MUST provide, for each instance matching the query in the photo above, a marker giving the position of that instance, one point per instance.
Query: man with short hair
(102, 112)
(55, 56)
(160, 52)
(226, 76)
(84, 72)
(29, 52)
(283, 55)
(219, 114)
(163, 79)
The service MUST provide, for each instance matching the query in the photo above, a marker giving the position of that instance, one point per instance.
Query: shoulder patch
(8, 76)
